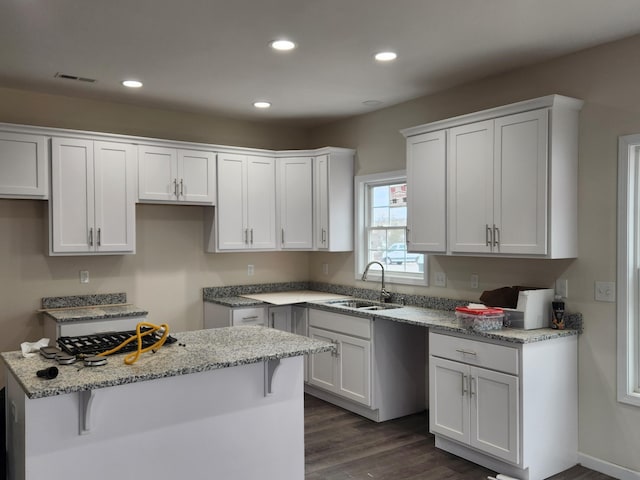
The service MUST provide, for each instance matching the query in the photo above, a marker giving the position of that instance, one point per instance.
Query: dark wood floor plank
(340, 445)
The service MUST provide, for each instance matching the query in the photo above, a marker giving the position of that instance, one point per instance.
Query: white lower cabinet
(216, 316)
(346, 372)
(377, 370)
(280, 317)
(509, 407)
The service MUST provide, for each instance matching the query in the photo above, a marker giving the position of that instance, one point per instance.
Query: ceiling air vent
(66, 76)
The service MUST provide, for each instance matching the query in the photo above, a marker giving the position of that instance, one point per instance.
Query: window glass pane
(398, 216)
(380, 217)
(380, 196)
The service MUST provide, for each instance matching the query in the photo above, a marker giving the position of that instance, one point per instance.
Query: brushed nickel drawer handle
(466, 352)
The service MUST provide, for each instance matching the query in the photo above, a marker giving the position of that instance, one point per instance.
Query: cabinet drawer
(248, 316)
(356, 326)
(473, 352)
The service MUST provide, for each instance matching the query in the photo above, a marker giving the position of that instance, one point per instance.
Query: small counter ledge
(195, 351)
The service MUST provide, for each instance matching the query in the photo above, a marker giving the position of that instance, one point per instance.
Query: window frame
(628, 277)
(361, 185)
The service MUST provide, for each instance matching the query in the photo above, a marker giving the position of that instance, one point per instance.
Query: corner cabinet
(333, 200)
(23, 166)
(246, 206)
(176, 175)
(92, 205)
(295, 202)
(511, 177)
(509, 407)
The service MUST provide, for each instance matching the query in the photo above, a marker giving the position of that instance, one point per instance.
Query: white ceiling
(212, 56)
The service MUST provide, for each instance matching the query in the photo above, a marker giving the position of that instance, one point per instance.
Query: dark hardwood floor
(341, 445)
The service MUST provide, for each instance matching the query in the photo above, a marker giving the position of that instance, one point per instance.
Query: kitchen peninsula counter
(196, 351)
(187, 410)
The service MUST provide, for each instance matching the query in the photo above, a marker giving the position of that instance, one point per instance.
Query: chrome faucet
(384, 295)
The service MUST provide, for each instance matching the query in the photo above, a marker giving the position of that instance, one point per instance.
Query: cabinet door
(354, 367)
(114, 174)
(449, 399)
(426, 192)
(72, 196)
(494, 413)
(157, 173)
(295, 202)
(520, 207)
(231, 213)
(23, 165)
(300, 326)
(322, 366)
(261, 202)
(196, 176)
(470, 180)
(280, 318)
(321, 184)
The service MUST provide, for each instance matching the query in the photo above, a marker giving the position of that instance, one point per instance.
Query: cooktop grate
(102, 342)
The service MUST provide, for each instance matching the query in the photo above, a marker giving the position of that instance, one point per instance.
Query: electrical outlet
(474, 280)
(562, 287)
(605, 292)
(325, 268)
(249, 270)
(440, 279)
(84, 276)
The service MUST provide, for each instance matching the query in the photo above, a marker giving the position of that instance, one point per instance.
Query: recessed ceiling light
(262, 104)
(385, 56)
(132, 83)
(283, 45)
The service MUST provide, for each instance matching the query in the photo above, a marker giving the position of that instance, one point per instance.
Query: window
(629, 269)
(381, 228)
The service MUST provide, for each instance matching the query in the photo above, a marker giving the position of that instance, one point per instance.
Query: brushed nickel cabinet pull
(252, 236)
(496, 236)
(487, 236)
(464, 385)
(175, 187)
(282, 233)
(472, 382)
(99, 236)
(91, 237)
(246, 235)
(466, 352)
(181, 187)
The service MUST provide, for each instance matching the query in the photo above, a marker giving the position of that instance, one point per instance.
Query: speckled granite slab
(84, 300)
(195, 351)
(95, 313)
(230, 297)
(444, 320)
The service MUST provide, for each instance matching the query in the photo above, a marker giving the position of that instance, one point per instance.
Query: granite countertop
(195, 351)
(444, 320)
(94, 312)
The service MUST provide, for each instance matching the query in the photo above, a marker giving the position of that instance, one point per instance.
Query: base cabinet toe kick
(510, 407)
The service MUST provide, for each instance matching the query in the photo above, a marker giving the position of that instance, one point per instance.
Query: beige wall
(607, 79)
(169, 269)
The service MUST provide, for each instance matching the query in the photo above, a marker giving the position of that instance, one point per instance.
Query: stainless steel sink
(363, 305)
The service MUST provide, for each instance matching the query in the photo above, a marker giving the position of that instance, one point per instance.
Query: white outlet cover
(474, 280)
(605, 291)
(440, 279)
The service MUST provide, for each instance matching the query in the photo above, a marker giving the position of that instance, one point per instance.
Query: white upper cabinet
(427, 192)
(295, 202)
(92, 206)
(511, 179)
(176, 175)
(246, 205)
(471, 187)
(333, 201)
(23, 166)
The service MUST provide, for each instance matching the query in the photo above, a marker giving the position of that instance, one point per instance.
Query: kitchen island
(224, 403)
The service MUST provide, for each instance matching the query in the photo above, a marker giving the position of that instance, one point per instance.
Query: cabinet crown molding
(518, 107)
